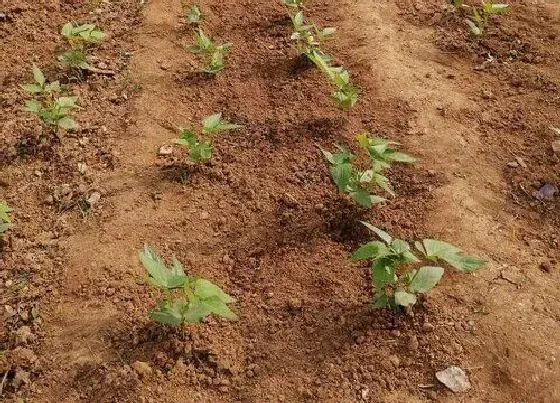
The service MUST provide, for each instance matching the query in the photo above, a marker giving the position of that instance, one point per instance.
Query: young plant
(52, 109)
(293, 3)
(192, 13)
(308, 37)
(212, 52)
(358, 184)
(480, 18)
(5, 222)
(200, 146)
(394, 271)
(187, 299)
(344, 93)
(79, 38)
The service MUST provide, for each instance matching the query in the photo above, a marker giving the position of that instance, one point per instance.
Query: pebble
(295, 304)
(454, 378)
(94, 198)
(20, 378)
(166, 150)
(428, 327)
(142, 368)
(204, 215)
(24, 335)
(556, 146)
(412, 344)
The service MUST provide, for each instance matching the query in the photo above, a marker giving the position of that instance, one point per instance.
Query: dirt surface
(264, 221)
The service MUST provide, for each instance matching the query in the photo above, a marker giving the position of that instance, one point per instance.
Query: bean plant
(212, 53)
(187, 299)
(53, 110)
(79, 39)
(200, 146)
(480, 15)
(395, 275)
(358, 183)
(5, 222)
(308, 37)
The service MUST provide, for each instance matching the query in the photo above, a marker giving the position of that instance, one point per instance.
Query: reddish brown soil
(264, 221)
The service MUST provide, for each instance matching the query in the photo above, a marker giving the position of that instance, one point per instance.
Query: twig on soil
(3, 382)
(100, 71)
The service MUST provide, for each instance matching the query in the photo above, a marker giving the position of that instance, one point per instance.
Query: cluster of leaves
(395, 278)
(358, 183)
(5, 222)
(480, 15)
(79, 39)
(53, 110)
(187, 299)
(308, 39)
(213, 53)
(200, 147)
(191, 13)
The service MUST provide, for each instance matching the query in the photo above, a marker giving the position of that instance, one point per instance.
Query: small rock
(142, 368)
(295, 304)
(364, 393)
(412, 344)
(486, 94)
(24, 335)
(102, 65)
(94, 198)
(166, 150)
(546, 192)
(556, 146)
(520, 161)
(428, 327)
(82, 168)
(393, 359)
(512, 164)
(204, 215)
(165, 66)
(395, 333)
(20, 378)
(49, 199)
(38, 173)
(454, 378)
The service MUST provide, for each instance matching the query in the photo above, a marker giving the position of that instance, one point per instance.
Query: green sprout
(212, 52)
(5, 222)
(308, 37)
(53, 110)
(357, 183)
(200, 146)
(79, 38)
(192, 13)
(480, 17)
(394, 271)
(187, 299)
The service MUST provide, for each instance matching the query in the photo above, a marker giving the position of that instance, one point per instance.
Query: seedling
(187, 299)
(200, 147)
(292, 3)
(5, 222)
(344, 94)
(79, 38)
(358, 184)
(192, 13)
(394, 274)
(212, 52)
(52, 109)
(308, 37)
(480, 18)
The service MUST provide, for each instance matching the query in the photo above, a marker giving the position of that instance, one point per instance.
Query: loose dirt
(264, 221)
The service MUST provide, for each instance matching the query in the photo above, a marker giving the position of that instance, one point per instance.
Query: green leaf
(442, 250)
(205, 289)
(38, 75)
(219, 307)
(158, 274)
(475, 30)
(67, 102)
(67, 29)
(32, 88)
(371, 250)
(4, 210)
(215, 124)
(381, 301)
(425, 279)
(404, 298)
(169, 314)
(67, 123)
(365, 199)
(402, 157)
(383, 272)
(33, 106)
(341, 175)
(385, 237)
(196, 311)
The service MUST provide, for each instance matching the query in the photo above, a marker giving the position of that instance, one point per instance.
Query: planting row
(399, 272)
